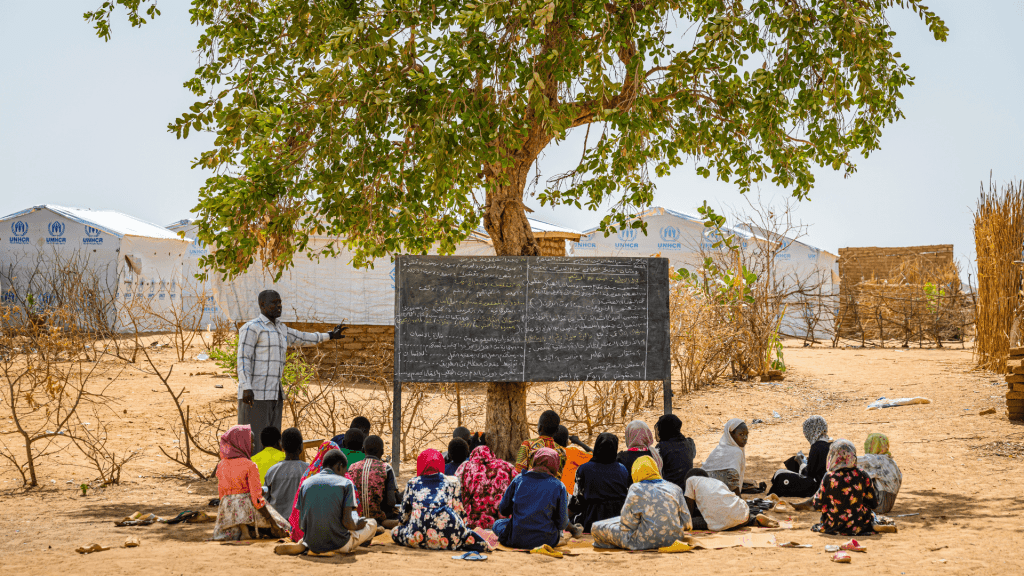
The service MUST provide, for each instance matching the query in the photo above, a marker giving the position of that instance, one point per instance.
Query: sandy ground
(967, 499)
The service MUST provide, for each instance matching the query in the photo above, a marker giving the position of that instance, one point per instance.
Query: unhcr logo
(19, 231)
(92, 236)
(56, 230)
(627, 239)
(670, 236)
(585, 245)
(198, 247)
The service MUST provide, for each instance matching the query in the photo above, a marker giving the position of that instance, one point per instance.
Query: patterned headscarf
(645, 469)
(429, 461)
(877, 443)
(236, 442)
(842, 454)
(639, 437)
(314, 468)
(815, 428)
(546, 460)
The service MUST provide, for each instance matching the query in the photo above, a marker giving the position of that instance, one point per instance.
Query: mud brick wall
(858, 265)
(362, 344)
(551, 246)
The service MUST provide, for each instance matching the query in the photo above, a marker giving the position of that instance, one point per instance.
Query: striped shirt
(262, 350)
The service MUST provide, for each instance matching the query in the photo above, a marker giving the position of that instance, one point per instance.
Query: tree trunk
(506, 223)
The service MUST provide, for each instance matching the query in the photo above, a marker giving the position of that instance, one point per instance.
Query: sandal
(474, 556)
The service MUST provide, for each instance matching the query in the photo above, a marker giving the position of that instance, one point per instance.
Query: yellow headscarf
(645, 468)
(877, 443)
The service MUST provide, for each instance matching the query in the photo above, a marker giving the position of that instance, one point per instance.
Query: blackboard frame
(653, 266)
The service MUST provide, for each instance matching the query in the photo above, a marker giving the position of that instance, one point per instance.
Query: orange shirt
(240, 476)
(574, 458)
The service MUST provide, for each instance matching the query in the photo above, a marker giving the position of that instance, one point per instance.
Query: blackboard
(530, 319)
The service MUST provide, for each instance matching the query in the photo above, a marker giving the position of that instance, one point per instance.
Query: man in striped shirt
(262, 350)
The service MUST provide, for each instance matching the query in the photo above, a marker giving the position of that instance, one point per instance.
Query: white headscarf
(728, 454)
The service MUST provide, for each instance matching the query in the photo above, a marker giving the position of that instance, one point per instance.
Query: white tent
(130, 258)
(194, 289)
(682, 237)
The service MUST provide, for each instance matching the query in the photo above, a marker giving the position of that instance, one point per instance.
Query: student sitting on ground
(877, 463)
(677, 451)
(574, 458)
(374, 480)
(654, 514)
(484, 479)
(728, 461)
(846, 498)
(803, 481)
(314, 468)
(353, 446)
(432, 510)
(242, 506)
(271, 454)
(459, 432)
(361, 423)
(547, 426)
(601, 484)
(327, 512)
(714, 507)
(458, 452)
(535, 506)
(639, 443)
(282, 480)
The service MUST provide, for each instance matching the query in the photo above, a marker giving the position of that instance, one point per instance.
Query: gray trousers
(262, 414)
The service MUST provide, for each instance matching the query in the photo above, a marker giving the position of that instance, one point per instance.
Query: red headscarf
(430, 461)
(236, 442)
(546, 460)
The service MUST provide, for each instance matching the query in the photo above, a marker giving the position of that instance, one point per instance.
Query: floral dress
(431, 516)
(484, 479)
(654, 515)
(846, 500)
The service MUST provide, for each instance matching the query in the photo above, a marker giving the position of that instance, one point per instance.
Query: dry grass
(998, 238)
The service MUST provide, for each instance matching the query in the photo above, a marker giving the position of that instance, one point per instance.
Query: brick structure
(858, 265)
(552, 246)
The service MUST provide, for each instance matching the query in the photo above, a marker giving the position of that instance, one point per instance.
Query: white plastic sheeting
(132, 259)
(325, 290)
(681, 237)
(195, 290)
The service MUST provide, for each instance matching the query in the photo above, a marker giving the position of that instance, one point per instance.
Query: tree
(395, 125)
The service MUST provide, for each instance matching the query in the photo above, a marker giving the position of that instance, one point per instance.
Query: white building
(683, 239)
(133, 261)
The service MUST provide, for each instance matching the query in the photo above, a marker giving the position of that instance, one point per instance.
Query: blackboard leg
(396, 429)
(668, 394)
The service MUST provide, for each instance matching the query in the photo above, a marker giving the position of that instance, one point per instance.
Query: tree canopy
(396, 125)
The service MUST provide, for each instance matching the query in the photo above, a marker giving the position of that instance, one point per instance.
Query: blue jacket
(537, 506)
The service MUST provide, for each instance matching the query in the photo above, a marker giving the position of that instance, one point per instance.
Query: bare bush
(701, 343)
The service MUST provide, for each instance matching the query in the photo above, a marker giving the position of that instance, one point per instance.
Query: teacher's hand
(247, 397)
(337, 332)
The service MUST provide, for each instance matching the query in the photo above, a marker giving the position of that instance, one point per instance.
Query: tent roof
(109, 221)
(543, 229)
(660, 211)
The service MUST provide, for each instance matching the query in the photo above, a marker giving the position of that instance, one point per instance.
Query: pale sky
(83, 124)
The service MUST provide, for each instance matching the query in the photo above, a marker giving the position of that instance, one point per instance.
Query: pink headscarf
(430, 461)
(640, 438)
(546, 460)
(236, 442)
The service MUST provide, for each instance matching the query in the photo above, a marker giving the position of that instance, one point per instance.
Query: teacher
(262, 349)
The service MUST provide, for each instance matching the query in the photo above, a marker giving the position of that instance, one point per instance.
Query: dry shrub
(920, 300)
(597, 406)
(52, 364)
(998, 238)
(702, 344)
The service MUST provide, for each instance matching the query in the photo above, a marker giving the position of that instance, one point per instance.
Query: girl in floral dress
(847, 496)
(242, 506)
(654, 515)
(484, 479)
(432, 508)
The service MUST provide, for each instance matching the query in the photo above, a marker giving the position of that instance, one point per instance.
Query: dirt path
(968, 500)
